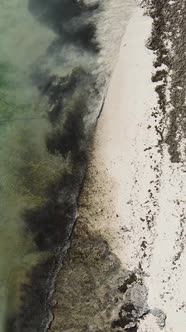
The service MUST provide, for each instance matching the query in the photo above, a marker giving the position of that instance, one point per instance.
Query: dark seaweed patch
(32, 314)
(54, 86)
(55, 13)
(71, 137)
(50, 224)
(85, 37)
(130, 280)
(60, 12)
(60, 90)
(127, 317)
(68, 19)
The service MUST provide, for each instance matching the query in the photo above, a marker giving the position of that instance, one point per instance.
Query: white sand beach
(121, 137)
(137, 195)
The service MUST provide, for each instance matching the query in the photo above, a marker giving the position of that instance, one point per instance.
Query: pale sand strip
(118, 157)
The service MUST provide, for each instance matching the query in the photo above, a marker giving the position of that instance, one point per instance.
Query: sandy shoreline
(127, 254)
(121, 137)
(102, 252)
(138, 194)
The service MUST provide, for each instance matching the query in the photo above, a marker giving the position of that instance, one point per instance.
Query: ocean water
(56, 57)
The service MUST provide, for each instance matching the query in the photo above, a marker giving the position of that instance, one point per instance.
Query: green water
(26, 168)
